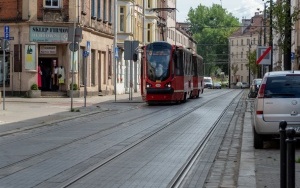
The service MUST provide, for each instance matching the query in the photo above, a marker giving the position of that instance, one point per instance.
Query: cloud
(246, 9)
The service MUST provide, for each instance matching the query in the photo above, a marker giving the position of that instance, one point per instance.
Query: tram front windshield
(158, 58)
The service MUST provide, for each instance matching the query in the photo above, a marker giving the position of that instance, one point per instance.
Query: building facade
(244, 41)
(41, 50)
(54, 43)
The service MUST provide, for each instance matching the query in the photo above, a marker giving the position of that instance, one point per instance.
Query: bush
(34, 87)
(75, 86)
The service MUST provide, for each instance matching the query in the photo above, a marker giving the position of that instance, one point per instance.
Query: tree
(283, 18)
(254, 68)
(211, 27)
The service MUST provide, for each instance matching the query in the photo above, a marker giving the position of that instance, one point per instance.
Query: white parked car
(208, 82)
(278, 99)
(242, 85)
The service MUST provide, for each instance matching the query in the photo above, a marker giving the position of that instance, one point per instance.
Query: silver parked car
(278, 99)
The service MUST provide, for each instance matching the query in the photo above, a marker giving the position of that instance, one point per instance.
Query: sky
(239, 8)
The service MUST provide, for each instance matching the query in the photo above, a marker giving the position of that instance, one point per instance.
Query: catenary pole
(115, 47)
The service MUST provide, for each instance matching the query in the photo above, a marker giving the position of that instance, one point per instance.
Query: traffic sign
(6, 32)
(73, 46)
(116, 52)
(263, 55)
(85, 53)
(88, 46)
(10, 38)
(6, 29)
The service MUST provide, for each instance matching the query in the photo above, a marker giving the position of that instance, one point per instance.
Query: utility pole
(249, 80)
(271, 35)
(287, 38)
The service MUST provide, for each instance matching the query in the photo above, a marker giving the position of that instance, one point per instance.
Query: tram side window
(179, 64)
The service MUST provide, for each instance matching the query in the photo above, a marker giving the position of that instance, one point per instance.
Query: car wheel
(258, 140)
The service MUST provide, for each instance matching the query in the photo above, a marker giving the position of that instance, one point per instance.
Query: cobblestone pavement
(236, 156)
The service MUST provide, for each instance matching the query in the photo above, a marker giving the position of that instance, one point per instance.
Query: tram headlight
(148, 85)
(168, 85)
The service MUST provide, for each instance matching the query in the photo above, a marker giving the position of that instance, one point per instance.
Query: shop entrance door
(47, 71)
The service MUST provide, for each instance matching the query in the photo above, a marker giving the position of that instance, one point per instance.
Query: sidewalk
(19, 113)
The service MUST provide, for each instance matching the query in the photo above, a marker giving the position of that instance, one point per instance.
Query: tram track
(40, 156)
(179, 178)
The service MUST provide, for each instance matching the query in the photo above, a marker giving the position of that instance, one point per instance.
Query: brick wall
(10, 9)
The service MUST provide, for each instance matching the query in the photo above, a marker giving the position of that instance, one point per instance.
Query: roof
(250, 26)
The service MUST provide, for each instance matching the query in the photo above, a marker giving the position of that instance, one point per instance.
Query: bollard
(282, 127)
(290, 141)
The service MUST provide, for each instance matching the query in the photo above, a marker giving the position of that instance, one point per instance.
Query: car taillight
(259, 112)
(261, 91)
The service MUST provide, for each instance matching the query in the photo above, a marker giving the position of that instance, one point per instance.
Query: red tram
(170, 74)
(198, 76)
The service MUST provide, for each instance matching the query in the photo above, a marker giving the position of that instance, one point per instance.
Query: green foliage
(211, 27)
(298, 160)
(254, 68)
(279, 10)
(75, 86)
(234, 68)
(34, 87)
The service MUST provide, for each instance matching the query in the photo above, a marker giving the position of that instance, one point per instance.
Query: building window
(109, 65)
(122, 19)
(93, 13)
(149, 32)
(52, 3)
(242, 66)
(242, 42)
(104, 10)
(99, 10)
(109, 11)
(93, 67)
(231, 42)
(241, 54)
(149, 4)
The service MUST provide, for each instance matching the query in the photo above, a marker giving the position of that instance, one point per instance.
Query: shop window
(109, 65)
(81, 64)
(93, 68)
(5, 71)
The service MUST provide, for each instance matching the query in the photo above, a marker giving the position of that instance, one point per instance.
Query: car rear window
(258, 82)
(283, 87)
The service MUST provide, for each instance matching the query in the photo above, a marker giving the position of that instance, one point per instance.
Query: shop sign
(30, 62)
(48, 34)
(46, 49)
